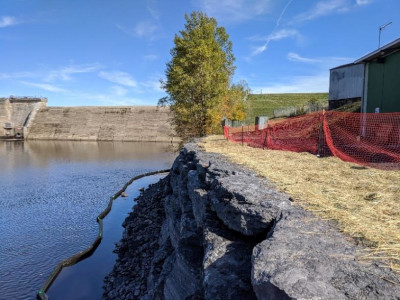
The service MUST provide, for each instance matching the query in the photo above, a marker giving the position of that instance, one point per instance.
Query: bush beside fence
(367, 139)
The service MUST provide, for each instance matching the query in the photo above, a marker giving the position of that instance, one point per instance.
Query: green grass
(264, 104)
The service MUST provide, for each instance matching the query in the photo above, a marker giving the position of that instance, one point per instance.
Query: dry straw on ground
(364, 202)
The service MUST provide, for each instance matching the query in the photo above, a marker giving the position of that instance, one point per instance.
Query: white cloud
(152, 85)
(260, 49)
(6, 21)
(61, 74)
(363, 2)
(152, 8)
(257, 38)
(323, 8)
(298, 84)
(119, 90)
(317, 81)
(274, 36)
(118, 77)
(66, 72)
(109, 99)
(16, 75)
(150, 57)
(45, 86)
(143, 29)
(295, 57)
(234, 10)
(278, 21)
(282, 34)
(323, 63)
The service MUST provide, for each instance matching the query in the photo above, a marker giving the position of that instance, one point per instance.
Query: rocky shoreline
(214, 230)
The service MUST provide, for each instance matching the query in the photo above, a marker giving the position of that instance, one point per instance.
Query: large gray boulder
(307, 258)
(214, 230)
(244, 205)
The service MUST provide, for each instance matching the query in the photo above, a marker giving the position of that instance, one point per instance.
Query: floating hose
(41, 295)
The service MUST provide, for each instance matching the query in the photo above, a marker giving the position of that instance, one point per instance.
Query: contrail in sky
(278, 21)
(282, 13)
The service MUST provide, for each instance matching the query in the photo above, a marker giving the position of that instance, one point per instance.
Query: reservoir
(50, 195)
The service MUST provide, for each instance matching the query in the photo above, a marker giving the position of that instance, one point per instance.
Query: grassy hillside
(264, 104)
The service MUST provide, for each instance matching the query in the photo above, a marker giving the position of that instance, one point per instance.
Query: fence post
(321, 134)
(265, 139)
(226, 132)
(242, 135)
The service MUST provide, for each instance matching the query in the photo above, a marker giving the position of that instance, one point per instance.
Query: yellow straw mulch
(364, 202)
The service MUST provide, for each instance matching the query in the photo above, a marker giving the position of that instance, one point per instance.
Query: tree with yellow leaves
(198, 76)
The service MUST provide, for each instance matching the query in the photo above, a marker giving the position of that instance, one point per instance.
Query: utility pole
(380, 30)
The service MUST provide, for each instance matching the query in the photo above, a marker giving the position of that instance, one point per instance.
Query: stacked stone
(139, 243)
(224, 233)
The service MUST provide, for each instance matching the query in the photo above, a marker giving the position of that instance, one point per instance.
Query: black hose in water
(41, 295)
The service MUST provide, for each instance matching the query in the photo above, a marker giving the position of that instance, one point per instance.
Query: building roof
(342, 66)
(381, 52)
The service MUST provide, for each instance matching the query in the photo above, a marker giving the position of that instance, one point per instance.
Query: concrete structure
(30, 118)
(261, 121)
(17, 113)
(135, 123)
(373, 79)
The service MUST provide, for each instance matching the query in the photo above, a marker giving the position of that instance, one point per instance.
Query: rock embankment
(213, 230)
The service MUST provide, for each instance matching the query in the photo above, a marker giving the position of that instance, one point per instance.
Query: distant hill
(264, 104)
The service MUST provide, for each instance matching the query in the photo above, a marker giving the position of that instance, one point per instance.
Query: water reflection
(84, 280)
(40, 153)
(50, 195)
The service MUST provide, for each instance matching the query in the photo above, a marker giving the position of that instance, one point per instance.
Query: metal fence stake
(321, 135)
(242, 135)
(265, 139)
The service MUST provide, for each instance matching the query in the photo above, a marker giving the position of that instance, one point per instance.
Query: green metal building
(378, 80)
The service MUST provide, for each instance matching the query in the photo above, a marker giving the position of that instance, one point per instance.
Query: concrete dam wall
(17, 113)
(135, 123)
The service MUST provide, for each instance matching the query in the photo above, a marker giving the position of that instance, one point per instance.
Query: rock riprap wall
(134, 123)
(213, 230)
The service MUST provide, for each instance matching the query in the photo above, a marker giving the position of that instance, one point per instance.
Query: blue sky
(113, 52)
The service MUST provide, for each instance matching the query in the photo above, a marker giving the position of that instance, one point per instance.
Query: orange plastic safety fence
(299, 134)
(367, 139)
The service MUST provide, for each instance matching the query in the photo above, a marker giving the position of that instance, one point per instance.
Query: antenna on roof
(380, 30)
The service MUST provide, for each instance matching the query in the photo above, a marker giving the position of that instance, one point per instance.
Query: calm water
(84, 281)
(50, 195)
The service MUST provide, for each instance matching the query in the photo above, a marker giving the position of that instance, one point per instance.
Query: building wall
(384, 85)
(346, 82)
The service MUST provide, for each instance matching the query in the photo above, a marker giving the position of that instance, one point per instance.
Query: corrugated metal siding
(384, 85)
(346, 82)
